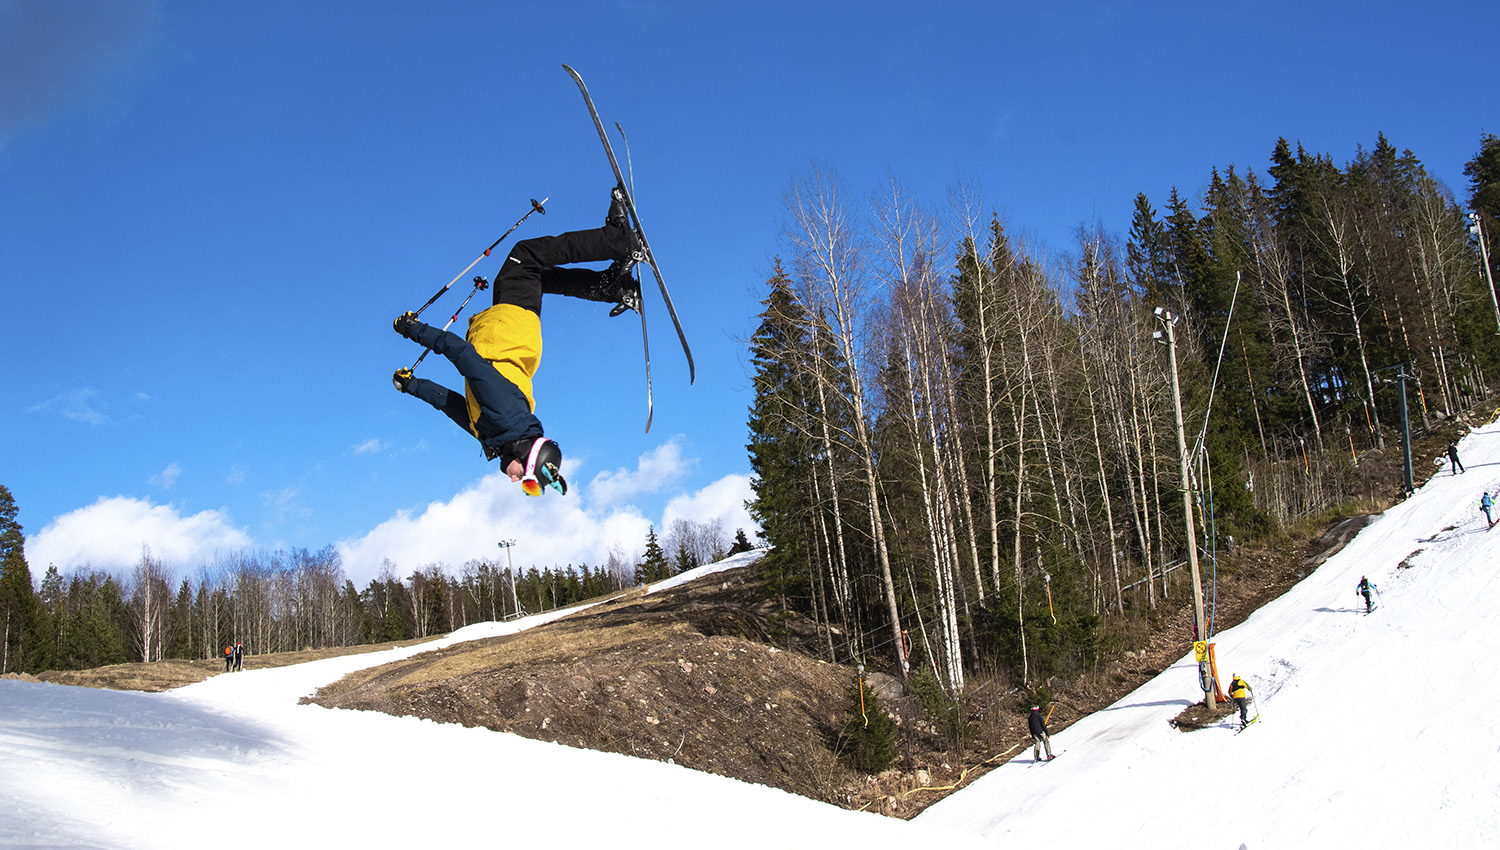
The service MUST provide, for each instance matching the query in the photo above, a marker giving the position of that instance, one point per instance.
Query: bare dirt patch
(174, 673)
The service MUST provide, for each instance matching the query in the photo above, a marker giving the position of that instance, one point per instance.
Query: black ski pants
(532, 267)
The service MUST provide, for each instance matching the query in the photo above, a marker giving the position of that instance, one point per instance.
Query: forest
(292, 600)
(965, 446)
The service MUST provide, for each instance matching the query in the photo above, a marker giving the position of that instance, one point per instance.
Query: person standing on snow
(1363, 589)
(1453, 463)
(1240, 693)
(239, 656)
(1486, 504)
(1039, 738)
(228, 658)
(503, 347)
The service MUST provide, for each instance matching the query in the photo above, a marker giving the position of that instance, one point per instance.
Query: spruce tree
(868, 737)
(781, 451)
(653, 566)
(20, 631)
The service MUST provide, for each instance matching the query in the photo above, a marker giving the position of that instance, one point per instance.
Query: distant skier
(1486, 504)
(1241, 694)
(228, 658)
(1039, 738)
(1454, 465)
(239, 656)
(503, 347)
(1364, 589)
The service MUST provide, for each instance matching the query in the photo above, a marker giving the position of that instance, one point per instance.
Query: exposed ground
(693, 675)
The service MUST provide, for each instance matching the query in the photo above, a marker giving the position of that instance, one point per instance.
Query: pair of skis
(650, 258)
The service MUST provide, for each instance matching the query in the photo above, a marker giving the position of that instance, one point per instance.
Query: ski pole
(479, 283)
(536, 206)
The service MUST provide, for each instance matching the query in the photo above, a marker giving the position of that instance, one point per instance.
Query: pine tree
(20, 631)
(653, 566)
(741, 542)
(868, 736)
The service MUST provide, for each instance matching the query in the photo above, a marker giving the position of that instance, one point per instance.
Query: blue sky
(210, 213)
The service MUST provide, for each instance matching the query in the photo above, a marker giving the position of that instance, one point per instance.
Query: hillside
(691, 674)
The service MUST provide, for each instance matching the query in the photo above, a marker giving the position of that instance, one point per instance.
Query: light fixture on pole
(515, 600)
(1477, 231)
(1168, 337)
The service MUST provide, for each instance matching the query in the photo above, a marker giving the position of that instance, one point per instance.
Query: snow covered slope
(235, 762)
(1376, 731)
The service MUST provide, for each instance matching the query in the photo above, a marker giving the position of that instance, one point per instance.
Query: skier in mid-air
(499, 355)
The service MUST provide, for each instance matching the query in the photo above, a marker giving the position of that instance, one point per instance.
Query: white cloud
(653, 471)
(167, 477)
(580, 528)
(548, 531)
(368, 447)
(723, 500)
(235, 476)
(80, 405)
(110, 534)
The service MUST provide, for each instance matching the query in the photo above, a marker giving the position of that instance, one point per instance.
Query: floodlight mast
(1169, 322)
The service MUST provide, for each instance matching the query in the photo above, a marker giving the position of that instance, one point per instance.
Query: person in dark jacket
(1363, 589)
(499, 355)
(1240, 693)
(1453, 463)
(239, 656)
(228, 658)
(1039, 737)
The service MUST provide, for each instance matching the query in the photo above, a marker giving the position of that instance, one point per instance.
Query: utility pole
(515, 600)
(1477, 230)
(1168, 322)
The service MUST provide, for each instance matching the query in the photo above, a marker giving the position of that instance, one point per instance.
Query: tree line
(964, 447)
(290, 600)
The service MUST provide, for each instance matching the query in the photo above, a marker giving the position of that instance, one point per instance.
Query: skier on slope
(1039, 738)
(1363, 589)
(1240, 693)
(1455, 466)
(1486, 504)
(503, 347)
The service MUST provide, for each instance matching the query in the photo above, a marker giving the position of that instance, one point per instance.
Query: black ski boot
(625, 289)
(618, 215)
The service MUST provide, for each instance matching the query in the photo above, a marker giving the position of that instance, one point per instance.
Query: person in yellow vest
(499, 355)
(1240, 693)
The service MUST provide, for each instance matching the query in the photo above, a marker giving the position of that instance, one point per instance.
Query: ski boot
(618, 215)
(627, 290)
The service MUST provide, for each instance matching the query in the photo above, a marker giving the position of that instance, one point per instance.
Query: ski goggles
(531, 485)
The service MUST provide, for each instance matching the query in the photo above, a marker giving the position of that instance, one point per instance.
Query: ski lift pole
(479, 283)
(536, 207)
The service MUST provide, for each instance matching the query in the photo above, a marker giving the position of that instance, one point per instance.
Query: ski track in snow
(1376, 731)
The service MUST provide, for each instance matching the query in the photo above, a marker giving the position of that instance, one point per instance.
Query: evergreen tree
(741, 542)
(868, 736)
(1483, 172)
(20, 631)
(781, 447)
(653, 566)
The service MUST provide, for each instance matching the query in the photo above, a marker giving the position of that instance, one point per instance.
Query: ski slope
(1376, 731)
